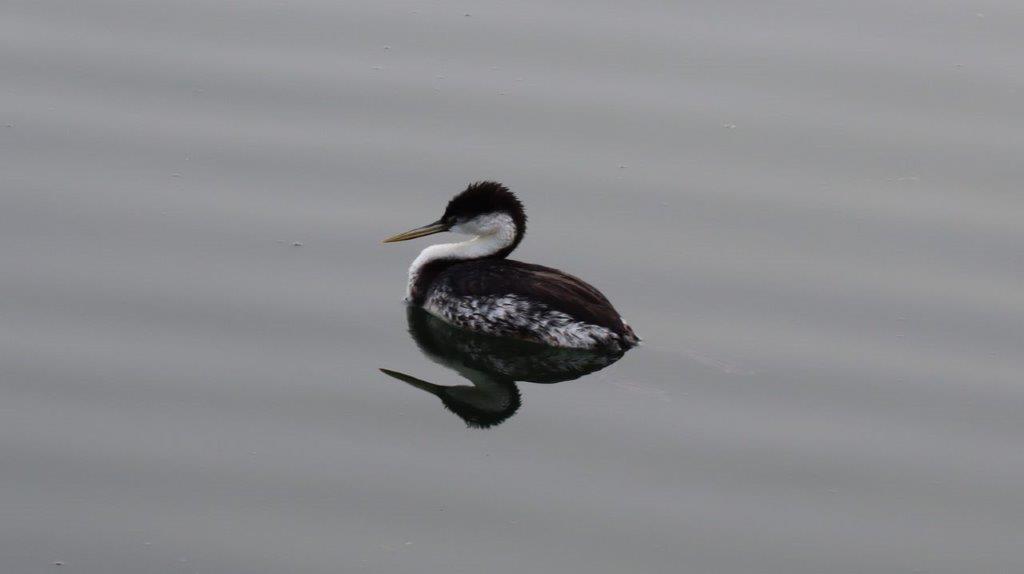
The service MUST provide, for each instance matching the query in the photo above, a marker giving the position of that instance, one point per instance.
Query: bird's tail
(628, 336)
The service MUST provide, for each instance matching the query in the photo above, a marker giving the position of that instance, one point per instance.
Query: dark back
(557, 290)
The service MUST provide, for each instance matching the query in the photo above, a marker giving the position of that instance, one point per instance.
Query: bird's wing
(559, 291)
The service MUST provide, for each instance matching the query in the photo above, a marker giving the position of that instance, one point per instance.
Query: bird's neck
(436, 258)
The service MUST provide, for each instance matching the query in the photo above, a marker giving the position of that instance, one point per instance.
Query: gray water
(812, 212)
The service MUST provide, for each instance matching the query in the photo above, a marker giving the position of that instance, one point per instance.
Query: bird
(473, 284)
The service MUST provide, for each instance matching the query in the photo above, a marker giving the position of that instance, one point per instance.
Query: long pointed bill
(436, 227)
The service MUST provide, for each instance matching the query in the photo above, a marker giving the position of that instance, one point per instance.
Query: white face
(492, 232)
(486, 224)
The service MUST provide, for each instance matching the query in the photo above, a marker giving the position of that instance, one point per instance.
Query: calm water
(812, 213)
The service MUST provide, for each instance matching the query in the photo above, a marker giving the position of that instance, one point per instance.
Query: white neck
(491, 235)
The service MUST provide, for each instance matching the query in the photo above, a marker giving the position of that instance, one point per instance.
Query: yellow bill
(436, 227)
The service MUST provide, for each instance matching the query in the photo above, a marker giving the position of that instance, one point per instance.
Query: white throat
(491, 233)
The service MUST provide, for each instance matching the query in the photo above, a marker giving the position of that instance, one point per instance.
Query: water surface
(811, 212)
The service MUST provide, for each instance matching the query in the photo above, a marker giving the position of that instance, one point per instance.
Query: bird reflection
(492, 365)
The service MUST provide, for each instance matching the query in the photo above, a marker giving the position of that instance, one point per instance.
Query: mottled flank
(514, 316)
(511, 298)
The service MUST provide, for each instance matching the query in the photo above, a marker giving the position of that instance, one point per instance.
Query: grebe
(473, 286)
